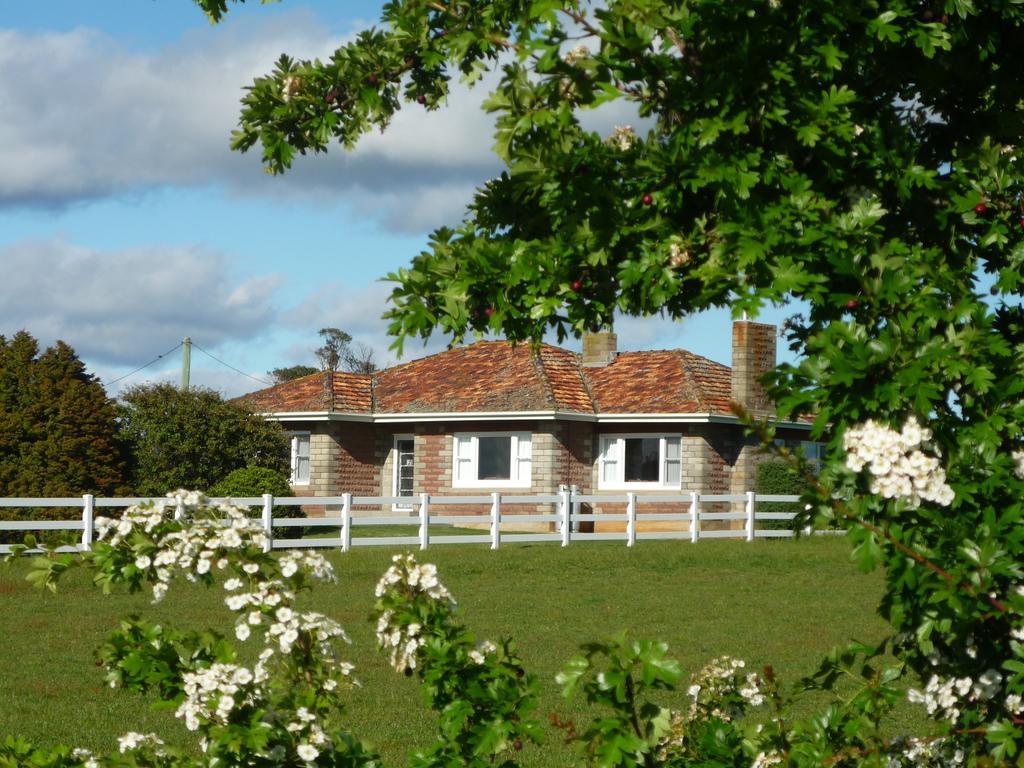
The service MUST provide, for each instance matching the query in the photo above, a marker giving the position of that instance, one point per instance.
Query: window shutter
(610, 460)
(463, 469)
(673, 473)
(302, 458)
(523, 469)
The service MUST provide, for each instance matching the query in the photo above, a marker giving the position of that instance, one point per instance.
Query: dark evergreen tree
(194, 438)
(58, 428)
(281, 375)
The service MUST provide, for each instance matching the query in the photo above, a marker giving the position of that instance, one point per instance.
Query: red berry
(980, 209)
(647, 199)
(421, 99)
(489, 312)
(1022, 222)
(577, 285)
(517, 745)
(372, 79)
(331, 96)
(852, 304)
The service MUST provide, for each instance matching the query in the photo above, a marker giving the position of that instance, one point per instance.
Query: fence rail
(564, 520)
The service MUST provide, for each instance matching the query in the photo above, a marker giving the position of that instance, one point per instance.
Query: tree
(860, 156)
(58, 428)
(193, 438)
(359, 358)
(337, 351)
(332, 351)
(281, 375)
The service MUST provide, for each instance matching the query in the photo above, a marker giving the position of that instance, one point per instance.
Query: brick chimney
(753, 354)
(599, 349)
(329, 390)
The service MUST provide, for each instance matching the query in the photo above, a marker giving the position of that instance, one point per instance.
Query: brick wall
(323, 456)
(433, 474)
(576, 453)
(357, 470)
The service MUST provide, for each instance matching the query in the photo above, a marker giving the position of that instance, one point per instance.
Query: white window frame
(394, 472)
(615, 458)
(466, 464)
(294, 479)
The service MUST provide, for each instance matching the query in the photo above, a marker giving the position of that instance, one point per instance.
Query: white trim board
(599, 418)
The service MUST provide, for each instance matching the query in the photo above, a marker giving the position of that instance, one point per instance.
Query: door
(405, 463)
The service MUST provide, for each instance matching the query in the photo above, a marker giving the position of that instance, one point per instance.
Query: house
(493, 416)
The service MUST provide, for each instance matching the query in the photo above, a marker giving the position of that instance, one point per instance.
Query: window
(814, 453)
(492, 460)
(300, 459)
(640, 461)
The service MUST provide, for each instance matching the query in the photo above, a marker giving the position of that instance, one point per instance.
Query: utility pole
(186, 361)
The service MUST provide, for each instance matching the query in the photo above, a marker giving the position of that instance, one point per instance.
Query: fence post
(268, 521)
(88, 510)
(575, 508)
(424, 520)
(750, 515)
(495, 520)
(630, 519)
(694, 517)
(346, 522)
(179, 508)
(566, 495)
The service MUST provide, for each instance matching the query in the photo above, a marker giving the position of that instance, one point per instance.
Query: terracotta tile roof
(496, 376)
(671, 381)
(351, 393)
(486, 376)
(567, 387)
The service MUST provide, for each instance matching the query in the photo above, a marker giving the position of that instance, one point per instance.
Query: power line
(156, 359)
(228, 365)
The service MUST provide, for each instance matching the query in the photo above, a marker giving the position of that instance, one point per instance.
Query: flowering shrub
(275, 710)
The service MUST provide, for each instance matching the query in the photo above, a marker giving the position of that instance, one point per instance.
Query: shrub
(775, 476)
(193, 438)
(255, 481)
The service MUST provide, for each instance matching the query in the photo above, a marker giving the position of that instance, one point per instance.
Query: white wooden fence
(563, 520)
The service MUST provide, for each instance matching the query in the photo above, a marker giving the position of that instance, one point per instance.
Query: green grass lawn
(781, 602)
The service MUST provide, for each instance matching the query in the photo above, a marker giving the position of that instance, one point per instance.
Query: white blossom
(307, 752)
(946, 698)
(1018, 464)
(403, 641)
(898, 468)
(133, 740)
(212, 693)
(578, 53)
(623, 137)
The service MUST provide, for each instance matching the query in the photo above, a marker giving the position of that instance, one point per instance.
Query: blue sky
(126, 223)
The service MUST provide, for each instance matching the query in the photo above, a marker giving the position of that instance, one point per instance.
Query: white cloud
(85, 118)
(125, 307)
(357, 311)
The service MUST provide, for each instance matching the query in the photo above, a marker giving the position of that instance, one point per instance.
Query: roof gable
(318, 392)
(668, 381)
(482, 377)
